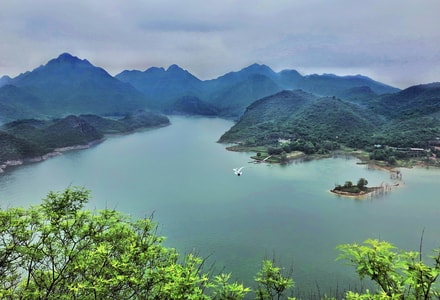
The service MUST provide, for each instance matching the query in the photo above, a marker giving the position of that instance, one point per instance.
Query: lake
(185, 178)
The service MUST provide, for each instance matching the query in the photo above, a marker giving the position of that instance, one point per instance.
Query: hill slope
(16, 103)
(299, 115)
(415, 101)
(32, 138)
(69, 85)
(407, 119)
(192, 105)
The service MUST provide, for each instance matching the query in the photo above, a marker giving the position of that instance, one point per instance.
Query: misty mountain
(69, 85)
(164, 86)
(235, 77)
(16, 103)
(333, 85)
(234, 99)
(234, 91)
(192, 105)
(289, 79)
(415, 101)
(316, 109)
(4, 80)
(360, 94)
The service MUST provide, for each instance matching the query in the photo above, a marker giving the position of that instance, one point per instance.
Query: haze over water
(185, 178)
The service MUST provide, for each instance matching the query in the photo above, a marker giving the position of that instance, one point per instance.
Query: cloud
(376, 38)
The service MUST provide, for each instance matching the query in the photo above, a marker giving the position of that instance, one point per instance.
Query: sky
(393, 41)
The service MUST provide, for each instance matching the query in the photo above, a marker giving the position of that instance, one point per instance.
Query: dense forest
(61, 250)
(401, 126)
(31, 138)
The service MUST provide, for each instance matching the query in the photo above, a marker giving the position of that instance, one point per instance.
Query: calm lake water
(181, 174)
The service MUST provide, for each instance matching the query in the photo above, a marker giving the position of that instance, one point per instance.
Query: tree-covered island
(359, 189)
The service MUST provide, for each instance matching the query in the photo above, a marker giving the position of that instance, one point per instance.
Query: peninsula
(33, 140)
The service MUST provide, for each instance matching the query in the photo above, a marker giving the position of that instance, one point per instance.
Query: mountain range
(70, 85)
(317, 110)
(232, 92)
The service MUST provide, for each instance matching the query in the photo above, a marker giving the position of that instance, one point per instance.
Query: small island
(360, 189)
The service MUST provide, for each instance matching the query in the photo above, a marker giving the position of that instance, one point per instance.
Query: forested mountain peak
(258, 68)
(68, 58)
(65, 69)
(236, 76)
(415, 101)
(156, 74)
(165, 86)
(362, 119)
(4, 80)
(69, 85)
(73, 84)
(331, 84)
(429, 88)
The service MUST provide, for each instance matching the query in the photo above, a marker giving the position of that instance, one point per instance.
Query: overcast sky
(393, 41)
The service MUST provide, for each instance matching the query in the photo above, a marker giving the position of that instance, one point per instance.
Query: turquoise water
(185, 178)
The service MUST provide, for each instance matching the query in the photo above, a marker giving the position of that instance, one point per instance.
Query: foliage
(362, 183)
(350, 188)
(399, 274)
(368, 296)
(225, 290)
(31, 138)
(14, 148)
(321, 125)
(271, 282)
(59, 250)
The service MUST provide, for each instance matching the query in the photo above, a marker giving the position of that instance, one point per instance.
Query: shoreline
(59, 151)
(369, 192)
(360, 155)
(56, 152)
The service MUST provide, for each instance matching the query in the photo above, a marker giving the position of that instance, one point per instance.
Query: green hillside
(31, 138)
(298, 121)
(293, 115)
